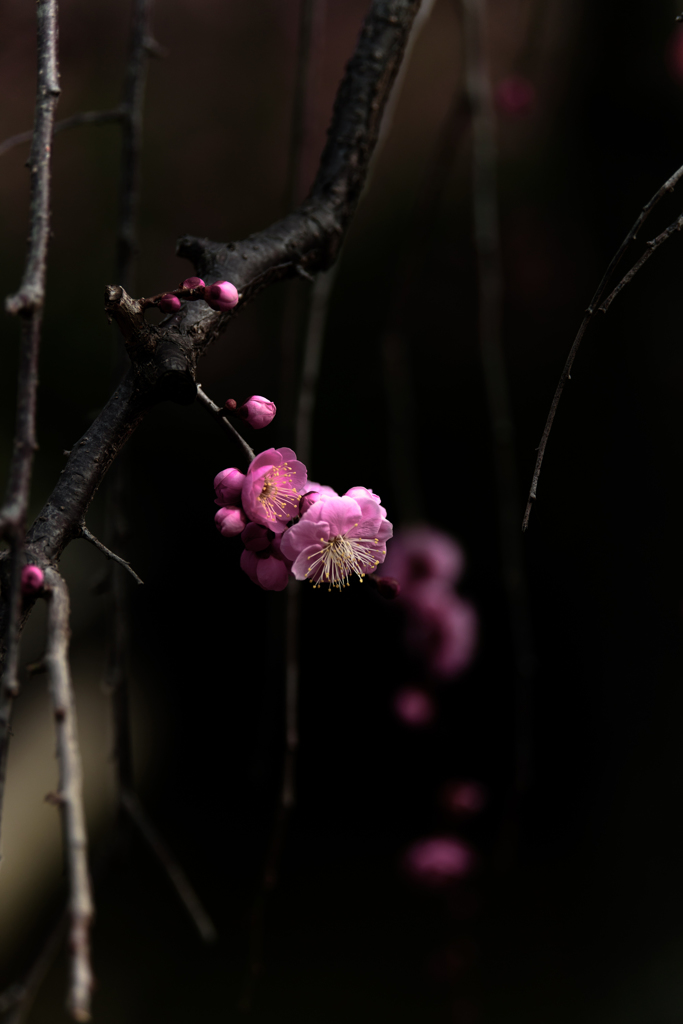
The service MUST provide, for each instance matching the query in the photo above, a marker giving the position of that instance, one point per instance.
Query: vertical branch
(70, 795)
(487, 244)
(28, 303)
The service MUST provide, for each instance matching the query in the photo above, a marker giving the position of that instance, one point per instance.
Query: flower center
(339, 557)
(278, 498)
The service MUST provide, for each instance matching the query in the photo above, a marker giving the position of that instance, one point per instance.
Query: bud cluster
(221, 296)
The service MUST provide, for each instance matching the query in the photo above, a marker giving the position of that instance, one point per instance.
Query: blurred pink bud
(169, 303)
(414, 707)
(257, 411)
(32, 579)
(674, 54)
(221, 296)
(228, 486)
(230, 521)
(515, 95)
(255, 537)
(438, 860)
(420, 553)
(193, 282)
(463, 798)
(442, 629)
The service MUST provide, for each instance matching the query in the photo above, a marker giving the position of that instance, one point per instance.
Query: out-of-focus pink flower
(441, 629)
(193, 282)
(32, 580)
(388, 588)
(413, 706)
(438, 860)
(257, 411)
(463, 798)
(230, 520)
(421, 553)
(228, 486)
(315, 492)
(515, 95)
(255, 537)
(169, 303)
(337, 537)
(674, 54)
(265, 569)
(221, 296)
(273, 487)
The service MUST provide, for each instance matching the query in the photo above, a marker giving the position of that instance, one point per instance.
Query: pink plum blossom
(438, 860)
(463, 798)
(221, 296)
(442, 629)
(228, 486)
(256, 537)
(265, 569)
(32, 580)
(193, 282)
(413, 706)
(337, 537)
(169, 303)
(515, 95)
(422, 552)
(257, 411)
(230, 520)
(315, 492)
(273, 487)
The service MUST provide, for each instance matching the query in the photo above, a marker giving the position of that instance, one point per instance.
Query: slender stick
(224, 421)
(70, 795)
(177, 877)
(487, 243)
(87, 535)
(75, 121)
(28, 302)
(668, 186)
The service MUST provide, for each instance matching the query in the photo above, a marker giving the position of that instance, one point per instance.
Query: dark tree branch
(28, 302)
(224, 420)
(668, 186)
(87, 535)
(70, 795)
(177, 877)
(75, 121)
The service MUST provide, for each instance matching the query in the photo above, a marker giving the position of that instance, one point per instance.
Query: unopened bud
(228, 486)
(32, 579)
(169, 303)
(515, 95)
(230, 521)
(221, 296)
(257, 411)
(231, 404)
(193, 282)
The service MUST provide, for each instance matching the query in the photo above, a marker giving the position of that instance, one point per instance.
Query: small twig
(224, 420)
(87, 535)
(70, 795)
(177, 877)
(87, 117)
(651, 247)
(668, 186)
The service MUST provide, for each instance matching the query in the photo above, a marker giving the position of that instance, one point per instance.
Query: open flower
(337, 537)
(273, 487)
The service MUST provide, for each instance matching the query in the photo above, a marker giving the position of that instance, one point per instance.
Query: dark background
(575, 912)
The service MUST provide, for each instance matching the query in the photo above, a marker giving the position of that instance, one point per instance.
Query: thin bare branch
(224, 420)
(652, 246)
(70, 795)
(87, 535)
(177, 877)
(75, 121)
(668, 186)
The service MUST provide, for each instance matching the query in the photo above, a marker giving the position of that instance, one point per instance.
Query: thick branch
(70, 795)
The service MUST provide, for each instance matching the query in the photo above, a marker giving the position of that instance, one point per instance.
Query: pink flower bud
(221, 296)
(257, 411)
(230, 521)
(414, 707)
(169, 303)
(463, 798)
(230, 404)
(32, 579)
(515, 95)
(193, 282)
(228, 486)
(438, 860)
(255, 537)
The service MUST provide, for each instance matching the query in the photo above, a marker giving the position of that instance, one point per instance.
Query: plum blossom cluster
(441, 627)
(291, 526)
(221, 296)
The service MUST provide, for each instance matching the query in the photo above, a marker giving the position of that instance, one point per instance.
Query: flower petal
(272, 573)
